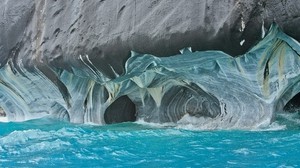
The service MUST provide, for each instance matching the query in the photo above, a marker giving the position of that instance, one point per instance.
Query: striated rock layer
(209, 89)
(55, 32)
(71, 60)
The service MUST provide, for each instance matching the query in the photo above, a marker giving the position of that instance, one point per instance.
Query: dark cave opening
(289, 117)
(2, 112)
(293, 105)
(121, 110)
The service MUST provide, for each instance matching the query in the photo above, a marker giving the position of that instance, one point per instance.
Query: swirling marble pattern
(219, 90)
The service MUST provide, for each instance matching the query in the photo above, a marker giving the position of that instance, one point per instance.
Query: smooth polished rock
(56, 33)
(209, 89)
(71, 60)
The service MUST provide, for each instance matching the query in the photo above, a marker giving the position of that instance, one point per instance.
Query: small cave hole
(289, 117)
(121, 110)
(2, 112)
(293, 105)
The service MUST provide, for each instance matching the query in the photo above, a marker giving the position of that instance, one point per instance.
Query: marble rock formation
(72, 60)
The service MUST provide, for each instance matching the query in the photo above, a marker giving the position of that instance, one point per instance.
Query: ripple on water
(243, 151)
(46, 146)
(21, 137)
(145, 146)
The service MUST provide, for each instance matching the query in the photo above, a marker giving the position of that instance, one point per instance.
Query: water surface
(48, 142)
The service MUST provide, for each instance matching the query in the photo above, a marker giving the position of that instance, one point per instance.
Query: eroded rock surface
(56, 32)
(72, 60)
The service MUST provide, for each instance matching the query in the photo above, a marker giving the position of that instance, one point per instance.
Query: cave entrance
(121, 110)
(293, 105)
(289, 116)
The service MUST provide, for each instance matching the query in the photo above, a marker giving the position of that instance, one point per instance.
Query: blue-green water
(46, 142)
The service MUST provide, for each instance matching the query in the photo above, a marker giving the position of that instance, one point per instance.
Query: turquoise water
(47, 142)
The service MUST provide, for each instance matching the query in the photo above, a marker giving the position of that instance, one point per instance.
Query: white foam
(4, 119)
(188, 122)
(21, 137)
(155, 125)
(243, 151)
(37, 160)
(93, 124)
(46, 146)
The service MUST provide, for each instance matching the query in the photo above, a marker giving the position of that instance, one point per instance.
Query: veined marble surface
(210, 89)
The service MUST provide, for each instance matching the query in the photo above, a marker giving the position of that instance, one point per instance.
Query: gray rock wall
(56, 32)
